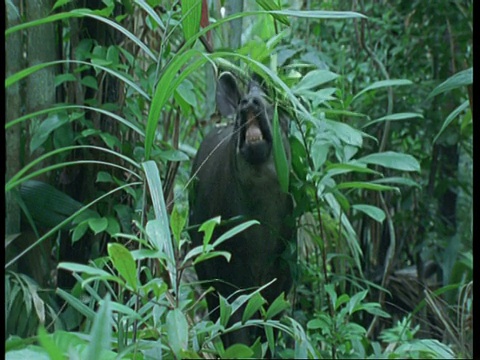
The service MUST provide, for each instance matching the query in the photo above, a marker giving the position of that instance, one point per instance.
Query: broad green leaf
(48, 125)
(101, 333)
(177, 331)
(383, 84)
(253, 305)
(345, 132)
(355, 300)
(113, 226)
(342, 299)
(278, 305)
(374, 212)
(314, 79)
(462, 78)
(98, 224)
(90, 81)
(279, 156)
(79, 231)
(49, 345)
(191, 13)
(61, 78)
(343, 168)
(174, 155)
(392, 160)
(123, 261)
(394, 117)
(237, 351)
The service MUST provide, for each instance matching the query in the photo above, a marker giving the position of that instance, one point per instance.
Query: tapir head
(253, 118)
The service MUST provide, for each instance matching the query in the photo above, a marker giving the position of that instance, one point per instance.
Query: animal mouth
(253, 133)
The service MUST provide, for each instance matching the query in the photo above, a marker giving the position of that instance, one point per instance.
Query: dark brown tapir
(234, 175)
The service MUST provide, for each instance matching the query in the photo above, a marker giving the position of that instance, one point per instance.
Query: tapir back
(234, 176)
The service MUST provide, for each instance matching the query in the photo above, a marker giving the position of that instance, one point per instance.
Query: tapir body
(235, 176)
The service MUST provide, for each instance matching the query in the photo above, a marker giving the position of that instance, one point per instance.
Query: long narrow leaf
(28, 71)
(452, 116)
(101, 334)
(382, 84)
(462, 78)
(160, 228)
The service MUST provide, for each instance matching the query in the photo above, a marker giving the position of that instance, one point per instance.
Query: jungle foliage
(106, 104)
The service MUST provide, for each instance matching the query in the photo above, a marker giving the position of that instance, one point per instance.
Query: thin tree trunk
(13, 63)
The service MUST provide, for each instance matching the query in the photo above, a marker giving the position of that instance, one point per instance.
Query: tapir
(235, 177)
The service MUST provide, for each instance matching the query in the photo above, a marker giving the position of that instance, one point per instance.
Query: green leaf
(83, 269)
(382, 84)
(374, 212)
(79, 231)
(178, 220)
(123, 261)
(76, 304)
(225, 311)
(272, 5)
(278, 305)
(101, 333)
(394, 117)
(90, 81)
(345, 132)
(104, 176)
(450, 118)
(158, 230)
(393, 160)
(207, 227)
(237, 351)
(398, 180)
(462, 78)
(191, 13)
(314, 79)
(279, 156)
(234, 231)
(174, 155)
(49, 345)
(355, 301)
(61, 78)
(177, 331)
(98, 224)
(48, 125)
(365, 185)
(253, 305)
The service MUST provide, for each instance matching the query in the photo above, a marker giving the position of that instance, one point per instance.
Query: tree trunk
(13, 110)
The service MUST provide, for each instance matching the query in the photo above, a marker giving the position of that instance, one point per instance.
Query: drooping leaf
(374, 212)
(383, 84)
(462, 78)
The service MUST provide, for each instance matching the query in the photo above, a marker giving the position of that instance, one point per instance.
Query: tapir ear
(228, 94)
